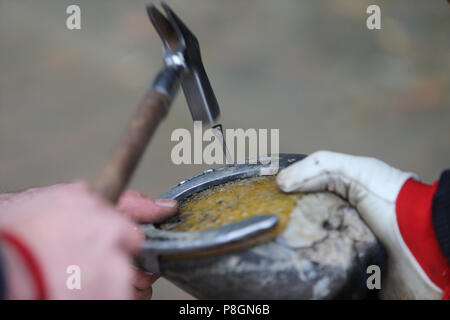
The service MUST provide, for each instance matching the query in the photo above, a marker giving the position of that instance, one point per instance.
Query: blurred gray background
(310, 68)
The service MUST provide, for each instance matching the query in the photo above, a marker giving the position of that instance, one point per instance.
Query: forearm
(16, 283)
(23, 276)
(423, 216)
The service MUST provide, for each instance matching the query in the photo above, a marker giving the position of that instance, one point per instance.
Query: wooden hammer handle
(122, 162)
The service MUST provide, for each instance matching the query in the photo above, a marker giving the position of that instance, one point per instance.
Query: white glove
(372, 187)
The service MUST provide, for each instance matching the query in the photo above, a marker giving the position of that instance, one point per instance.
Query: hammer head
(182, 52)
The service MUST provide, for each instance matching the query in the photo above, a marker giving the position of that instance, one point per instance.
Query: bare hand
(144, 209)
(65, 225)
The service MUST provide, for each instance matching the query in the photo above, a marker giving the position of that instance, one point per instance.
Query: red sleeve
(414, 208)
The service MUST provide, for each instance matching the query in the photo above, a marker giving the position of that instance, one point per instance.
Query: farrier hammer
(183, 64)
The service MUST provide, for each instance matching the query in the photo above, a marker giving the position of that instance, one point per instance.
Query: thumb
(321, 171)
(349, 176)
(145, 209)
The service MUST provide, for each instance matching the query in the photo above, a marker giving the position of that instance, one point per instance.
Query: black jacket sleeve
(441, 213)
(2, 278)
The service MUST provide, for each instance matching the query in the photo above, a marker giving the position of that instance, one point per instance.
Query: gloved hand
(66, 225)
(395, 206)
